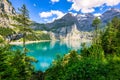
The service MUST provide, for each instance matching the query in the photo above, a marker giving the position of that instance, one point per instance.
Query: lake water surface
(45, 52)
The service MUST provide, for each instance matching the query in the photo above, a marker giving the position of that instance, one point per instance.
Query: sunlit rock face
(68, 32)
(75, 34)
(72, 34)
(6, 7)
(6, 12)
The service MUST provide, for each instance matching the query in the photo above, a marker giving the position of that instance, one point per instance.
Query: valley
(59, 40)
(68, 27)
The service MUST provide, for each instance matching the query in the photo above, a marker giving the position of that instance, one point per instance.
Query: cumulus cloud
(87, 6)
(53, 1)
(58, 13)
(73, 13)
(85, 10)
(97, 14)
(47, 15)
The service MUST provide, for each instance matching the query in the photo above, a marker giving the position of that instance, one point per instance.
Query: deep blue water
(45, 52)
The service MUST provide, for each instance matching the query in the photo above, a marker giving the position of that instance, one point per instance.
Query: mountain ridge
(83, 23)
(62, 27)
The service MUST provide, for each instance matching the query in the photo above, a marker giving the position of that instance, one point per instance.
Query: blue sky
(44, 11)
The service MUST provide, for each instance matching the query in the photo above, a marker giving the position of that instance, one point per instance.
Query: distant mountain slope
(83, 23)
(65, 21)
(60, 28)
(109, 14)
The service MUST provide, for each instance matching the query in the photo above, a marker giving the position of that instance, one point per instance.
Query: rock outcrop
(6, 7)
(6, 12)
(71, 33)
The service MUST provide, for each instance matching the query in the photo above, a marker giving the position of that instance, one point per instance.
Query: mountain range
(81, 22)
(67, 27)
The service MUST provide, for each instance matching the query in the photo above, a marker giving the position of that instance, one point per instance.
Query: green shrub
(1, 39)
(14, 65)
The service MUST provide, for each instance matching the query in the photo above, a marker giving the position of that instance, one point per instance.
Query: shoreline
(27, 42)
(30, 42)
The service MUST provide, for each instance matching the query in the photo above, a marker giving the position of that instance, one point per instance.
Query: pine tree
(116, 22)
(96, 22)
(23, 24)
(110, 38)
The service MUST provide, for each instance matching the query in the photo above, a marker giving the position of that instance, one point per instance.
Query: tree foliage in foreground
(14, 65)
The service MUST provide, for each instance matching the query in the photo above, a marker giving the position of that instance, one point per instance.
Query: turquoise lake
(45, 52)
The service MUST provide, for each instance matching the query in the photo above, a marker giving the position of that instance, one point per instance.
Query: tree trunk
(24, 40)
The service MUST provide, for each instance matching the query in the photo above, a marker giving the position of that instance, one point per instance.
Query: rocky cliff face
(6, 7)
(71, 33)
(6, 12)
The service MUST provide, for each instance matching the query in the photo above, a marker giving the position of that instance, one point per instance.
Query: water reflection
(73, 44)
(52, 44)
(45, 52)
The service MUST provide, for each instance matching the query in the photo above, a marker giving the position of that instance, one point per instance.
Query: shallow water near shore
(45, 52)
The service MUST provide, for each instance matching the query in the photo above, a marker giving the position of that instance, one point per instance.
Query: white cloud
(47, 15)
(53, 1)
(58, 13)
(97, 14)
(87, 6)
(46, 20)
(73, 13)
(112, 2)
(85, 10)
